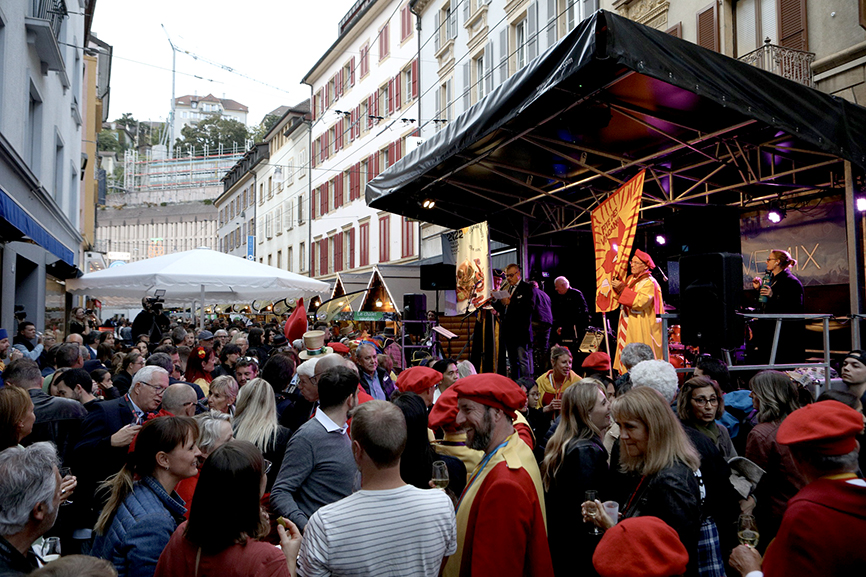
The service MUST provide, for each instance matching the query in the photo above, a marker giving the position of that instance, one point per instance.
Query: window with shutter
(338, 252)
(488, 68)
(437, 24)
(352, 71)
(676, 31)
(323, 199)
(532, 31)
(389, 96)
(323, 257)
(384, 238)
(415, 78)
(350, 248)
(364, 233)
(312, 257)
(338, 192)
(503, 53)
(408, 237)
(313, 208)
(792, 24)
(707, 28)
(467, 87)
(398, 104)
(550, 29)
(287, 214)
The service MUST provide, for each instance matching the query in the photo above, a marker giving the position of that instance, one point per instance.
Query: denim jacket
(140, 530)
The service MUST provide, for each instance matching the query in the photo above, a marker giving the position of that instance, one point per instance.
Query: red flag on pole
(296, 326)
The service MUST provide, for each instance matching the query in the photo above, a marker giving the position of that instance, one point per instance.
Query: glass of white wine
(440, 475)
(747, 531)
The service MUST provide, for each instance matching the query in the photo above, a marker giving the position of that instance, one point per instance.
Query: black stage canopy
(610, 99)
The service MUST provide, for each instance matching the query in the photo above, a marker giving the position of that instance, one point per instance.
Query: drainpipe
(310, 186)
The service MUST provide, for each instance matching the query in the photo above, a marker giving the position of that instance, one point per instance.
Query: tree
(259, 132)
(213, 131)
(107, 140)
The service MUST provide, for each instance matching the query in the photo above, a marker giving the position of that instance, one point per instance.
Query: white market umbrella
(195, 275)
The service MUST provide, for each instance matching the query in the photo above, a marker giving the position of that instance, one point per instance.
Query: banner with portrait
(613, 225)
(470, 248)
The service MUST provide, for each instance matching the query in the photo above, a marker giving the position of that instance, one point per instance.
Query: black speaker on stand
(414, 309)
(711, 286)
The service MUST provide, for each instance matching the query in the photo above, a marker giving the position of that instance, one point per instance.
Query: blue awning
(18, 218)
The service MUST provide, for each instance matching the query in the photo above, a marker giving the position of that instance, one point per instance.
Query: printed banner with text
(471, 248)
(613, 226)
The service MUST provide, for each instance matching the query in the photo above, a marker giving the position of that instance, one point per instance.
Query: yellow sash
(517, 455)
(470, 457)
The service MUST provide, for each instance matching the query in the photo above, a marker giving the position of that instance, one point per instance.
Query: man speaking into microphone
(640, 297)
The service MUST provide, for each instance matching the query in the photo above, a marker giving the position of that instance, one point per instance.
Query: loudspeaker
(414, 309)
(438, 277)
(710, 289)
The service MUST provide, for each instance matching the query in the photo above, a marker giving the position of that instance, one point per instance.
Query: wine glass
(440, 474)
(65, 472)
(51, 549)
(591, 496)
(747, 531)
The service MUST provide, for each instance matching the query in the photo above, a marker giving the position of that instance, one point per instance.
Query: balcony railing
(52, 10)
(788, 63)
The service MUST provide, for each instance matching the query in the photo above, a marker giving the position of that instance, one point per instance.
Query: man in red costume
(822, 438)
(641, 300)
(501, 525)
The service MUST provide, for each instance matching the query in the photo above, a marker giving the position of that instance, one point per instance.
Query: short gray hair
(307, 368)
(634, 353)
(145, 374)
(209, 424)
(26, 479)
(364, 345)
(658, 375)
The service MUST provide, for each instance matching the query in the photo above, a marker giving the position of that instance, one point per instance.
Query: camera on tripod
(155, 302)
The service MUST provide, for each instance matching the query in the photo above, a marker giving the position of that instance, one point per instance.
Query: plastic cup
(611, 508)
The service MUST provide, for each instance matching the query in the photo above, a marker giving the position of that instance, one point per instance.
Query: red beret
(645, 258)
(492, 390)
(828, 427)
(418, 379)
(339, 348)
(640, 546)
(599, 362)
(443, 415)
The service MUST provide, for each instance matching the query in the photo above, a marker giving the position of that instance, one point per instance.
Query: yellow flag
(613, 225)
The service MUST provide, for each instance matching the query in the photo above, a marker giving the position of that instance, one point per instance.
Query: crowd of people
(181, 452)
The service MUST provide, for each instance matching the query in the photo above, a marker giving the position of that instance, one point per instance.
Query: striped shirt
(399, 532)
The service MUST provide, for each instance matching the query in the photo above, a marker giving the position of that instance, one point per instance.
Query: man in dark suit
(542, 321)
(516, 332)
(107, 432)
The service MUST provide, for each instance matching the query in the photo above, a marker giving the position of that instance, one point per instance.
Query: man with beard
(500, 516)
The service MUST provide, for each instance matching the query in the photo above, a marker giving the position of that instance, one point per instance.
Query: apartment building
(364, 116)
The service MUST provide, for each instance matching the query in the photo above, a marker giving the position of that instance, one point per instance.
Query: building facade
(41, 132)
(236, 206)
(282, 232)
(192, 109)
(364, 117)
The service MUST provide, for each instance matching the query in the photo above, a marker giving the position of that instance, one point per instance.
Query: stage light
(861, 204)
(660, 239)
(428, 203)
(776, 213)
(774, 216)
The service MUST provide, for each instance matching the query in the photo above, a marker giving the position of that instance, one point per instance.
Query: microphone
(661, 272)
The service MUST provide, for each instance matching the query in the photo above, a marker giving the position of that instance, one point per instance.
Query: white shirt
(329, 424)
(405, 531)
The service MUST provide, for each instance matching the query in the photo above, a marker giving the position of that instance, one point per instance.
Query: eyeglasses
(156, 389)
(251, 360)
(268, 466)
(510, 274)
(703, 401)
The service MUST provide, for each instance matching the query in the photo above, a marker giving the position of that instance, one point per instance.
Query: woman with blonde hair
(222, 394)
(774, 396)
(575, 461)
(655, 449)
(255, 421)
(16, 416)
(553, 383)
(144, 510)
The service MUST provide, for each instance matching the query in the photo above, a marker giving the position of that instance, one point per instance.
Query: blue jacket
(140, 530)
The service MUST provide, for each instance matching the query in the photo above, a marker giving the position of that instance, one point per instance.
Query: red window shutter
(314, 107)
(377, 110)
(338, 135)
(384, 238)
(386, 32)
(339, 82)
(323, 199)
(391, 96)
(398, 102)
(398, 149)
(392, 155)
(323, 256)
(351, 248)
(338, 252)
(313, 153)
(327, 102)
(358, 121)
(370, 111)
(415, 78)
(357, 173)
(313, 259)
(365, 244)
(313, 205)
(338, 191)
(381, 44)
(708, 28)
(792, 24)
(352, 71)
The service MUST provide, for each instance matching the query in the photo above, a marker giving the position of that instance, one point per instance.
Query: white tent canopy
(198, 275)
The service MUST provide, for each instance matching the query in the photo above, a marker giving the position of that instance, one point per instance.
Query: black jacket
(517, 316)
(57, 420)
(569, 313)
(541, 311)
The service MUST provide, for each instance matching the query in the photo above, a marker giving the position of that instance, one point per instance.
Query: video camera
(155, 302)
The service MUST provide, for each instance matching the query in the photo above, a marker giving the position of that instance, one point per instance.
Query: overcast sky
(275, 42)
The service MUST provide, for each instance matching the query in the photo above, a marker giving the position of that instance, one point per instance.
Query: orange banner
(613, 226)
